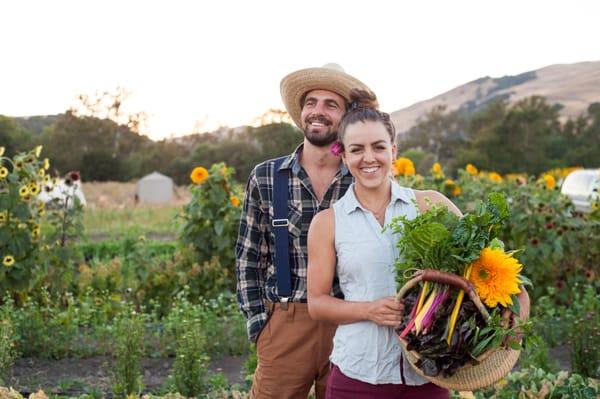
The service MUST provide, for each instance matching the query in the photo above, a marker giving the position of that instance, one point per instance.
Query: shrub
(128, 351)
(190, 365)
(537, 383)
(211, 217)
(7, 346)
(21, 260)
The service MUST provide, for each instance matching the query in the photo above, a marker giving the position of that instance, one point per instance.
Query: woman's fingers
(388, 311)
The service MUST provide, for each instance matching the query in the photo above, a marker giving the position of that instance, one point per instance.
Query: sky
(197, 65)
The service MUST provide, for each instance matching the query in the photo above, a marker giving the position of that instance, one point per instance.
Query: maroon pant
(340, 386)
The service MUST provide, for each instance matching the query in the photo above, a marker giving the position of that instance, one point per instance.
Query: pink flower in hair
(336, 149)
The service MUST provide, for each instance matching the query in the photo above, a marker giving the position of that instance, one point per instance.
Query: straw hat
(328, 77)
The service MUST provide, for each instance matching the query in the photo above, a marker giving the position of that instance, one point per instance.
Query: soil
(73, 377)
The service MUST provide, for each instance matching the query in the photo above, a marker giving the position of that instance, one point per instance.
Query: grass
(116, 223)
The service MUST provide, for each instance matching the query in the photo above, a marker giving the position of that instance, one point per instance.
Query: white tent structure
(154, 188)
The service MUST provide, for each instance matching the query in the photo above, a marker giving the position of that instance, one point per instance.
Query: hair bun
(360, 98)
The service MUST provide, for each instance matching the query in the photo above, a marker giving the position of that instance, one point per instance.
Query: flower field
(94, 283)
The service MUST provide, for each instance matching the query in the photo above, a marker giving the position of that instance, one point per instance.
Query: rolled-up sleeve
(250, 259)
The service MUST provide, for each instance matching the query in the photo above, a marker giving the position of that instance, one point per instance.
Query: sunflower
(496, 277)
(199, 175)
(549, 181)
(3, 172)
(2, 151)
(472, 170)
(24, 191)
(41, 172)
(235, 201)
(436, 169)
(34, 188)
(38, 151)
(495, 177)
(2, 217)
(403, 167)
(46, 163)
(8, 260)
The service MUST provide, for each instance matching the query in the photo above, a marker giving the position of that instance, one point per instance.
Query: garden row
(63, 297)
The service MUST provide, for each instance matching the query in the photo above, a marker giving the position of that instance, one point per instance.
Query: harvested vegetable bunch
(446, 331)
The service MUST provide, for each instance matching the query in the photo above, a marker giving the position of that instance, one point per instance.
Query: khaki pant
(293, 353)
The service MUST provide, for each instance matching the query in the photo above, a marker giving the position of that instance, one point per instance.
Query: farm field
(116, 298)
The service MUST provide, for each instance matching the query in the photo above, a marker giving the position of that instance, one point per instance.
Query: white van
(582, 187)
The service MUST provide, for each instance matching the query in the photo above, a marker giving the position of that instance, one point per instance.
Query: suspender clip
(280, 222)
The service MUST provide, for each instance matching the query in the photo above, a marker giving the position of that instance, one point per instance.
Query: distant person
(293, 350)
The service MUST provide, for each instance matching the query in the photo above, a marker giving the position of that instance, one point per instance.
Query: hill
(573, 87)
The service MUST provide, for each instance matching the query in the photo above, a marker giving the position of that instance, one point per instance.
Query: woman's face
(368, 153)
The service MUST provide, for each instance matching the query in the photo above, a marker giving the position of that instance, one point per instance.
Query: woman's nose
(369, 156)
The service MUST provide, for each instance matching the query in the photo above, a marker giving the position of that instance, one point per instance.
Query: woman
(348, 238)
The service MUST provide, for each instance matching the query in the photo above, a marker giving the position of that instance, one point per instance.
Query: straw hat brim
(298, 83)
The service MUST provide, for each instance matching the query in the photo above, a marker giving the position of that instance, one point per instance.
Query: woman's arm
(427, 198)
(321, 269)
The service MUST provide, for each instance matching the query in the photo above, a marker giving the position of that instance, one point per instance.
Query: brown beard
(319, 139)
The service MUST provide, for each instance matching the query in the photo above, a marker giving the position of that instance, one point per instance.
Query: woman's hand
(385, 311)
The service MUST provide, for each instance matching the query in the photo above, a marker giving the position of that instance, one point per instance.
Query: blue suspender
(280, 224)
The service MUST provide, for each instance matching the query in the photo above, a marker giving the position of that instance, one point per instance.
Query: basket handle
(437, 276)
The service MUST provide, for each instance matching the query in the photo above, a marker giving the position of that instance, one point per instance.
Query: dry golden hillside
(574, 86)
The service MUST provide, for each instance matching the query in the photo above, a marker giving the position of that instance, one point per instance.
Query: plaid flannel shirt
(256, 276)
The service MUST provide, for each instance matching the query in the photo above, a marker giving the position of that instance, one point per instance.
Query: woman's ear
(394, 151)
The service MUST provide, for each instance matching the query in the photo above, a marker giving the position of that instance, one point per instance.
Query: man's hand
(385, 311)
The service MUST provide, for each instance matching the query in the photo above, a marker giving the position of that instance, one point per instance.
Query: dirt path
(77, 376)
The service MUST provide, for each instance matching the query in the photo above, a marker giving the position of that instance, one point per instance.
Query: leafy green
(440, 240)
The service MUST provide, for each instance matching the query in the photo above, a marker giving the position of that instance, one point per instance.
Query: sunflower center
(483, 274)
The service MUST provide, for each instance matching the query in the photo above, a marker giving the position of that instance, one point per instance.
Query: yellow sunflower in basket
(495, 276)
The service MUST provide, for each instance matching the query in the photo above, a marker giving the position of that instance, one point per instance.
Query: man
(293, 350)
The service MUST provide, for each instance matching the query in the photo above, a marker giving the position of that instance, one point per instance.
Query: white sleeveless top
(365, 266)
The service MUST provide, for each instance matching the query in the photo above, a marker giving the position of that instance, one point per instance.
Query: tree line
(103, 150)
(527, 136)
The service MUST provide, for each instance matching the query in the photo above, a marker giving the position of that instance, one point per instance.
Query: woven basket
(490, 367)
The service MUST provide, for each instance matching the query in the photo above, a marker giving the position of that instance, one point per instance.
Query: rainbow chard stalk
(423, 312)
(454, 315)
(415, 310)
(429, 318)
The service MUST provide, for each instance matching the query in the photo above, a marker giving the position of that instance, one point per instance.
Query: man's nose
(319, 108)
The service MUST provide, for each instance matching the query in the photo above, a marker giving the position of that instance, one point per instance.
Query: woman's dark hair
(364, 107)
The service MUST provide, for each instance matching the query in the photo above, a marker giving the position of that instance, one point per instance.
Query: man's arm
(250, 270)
